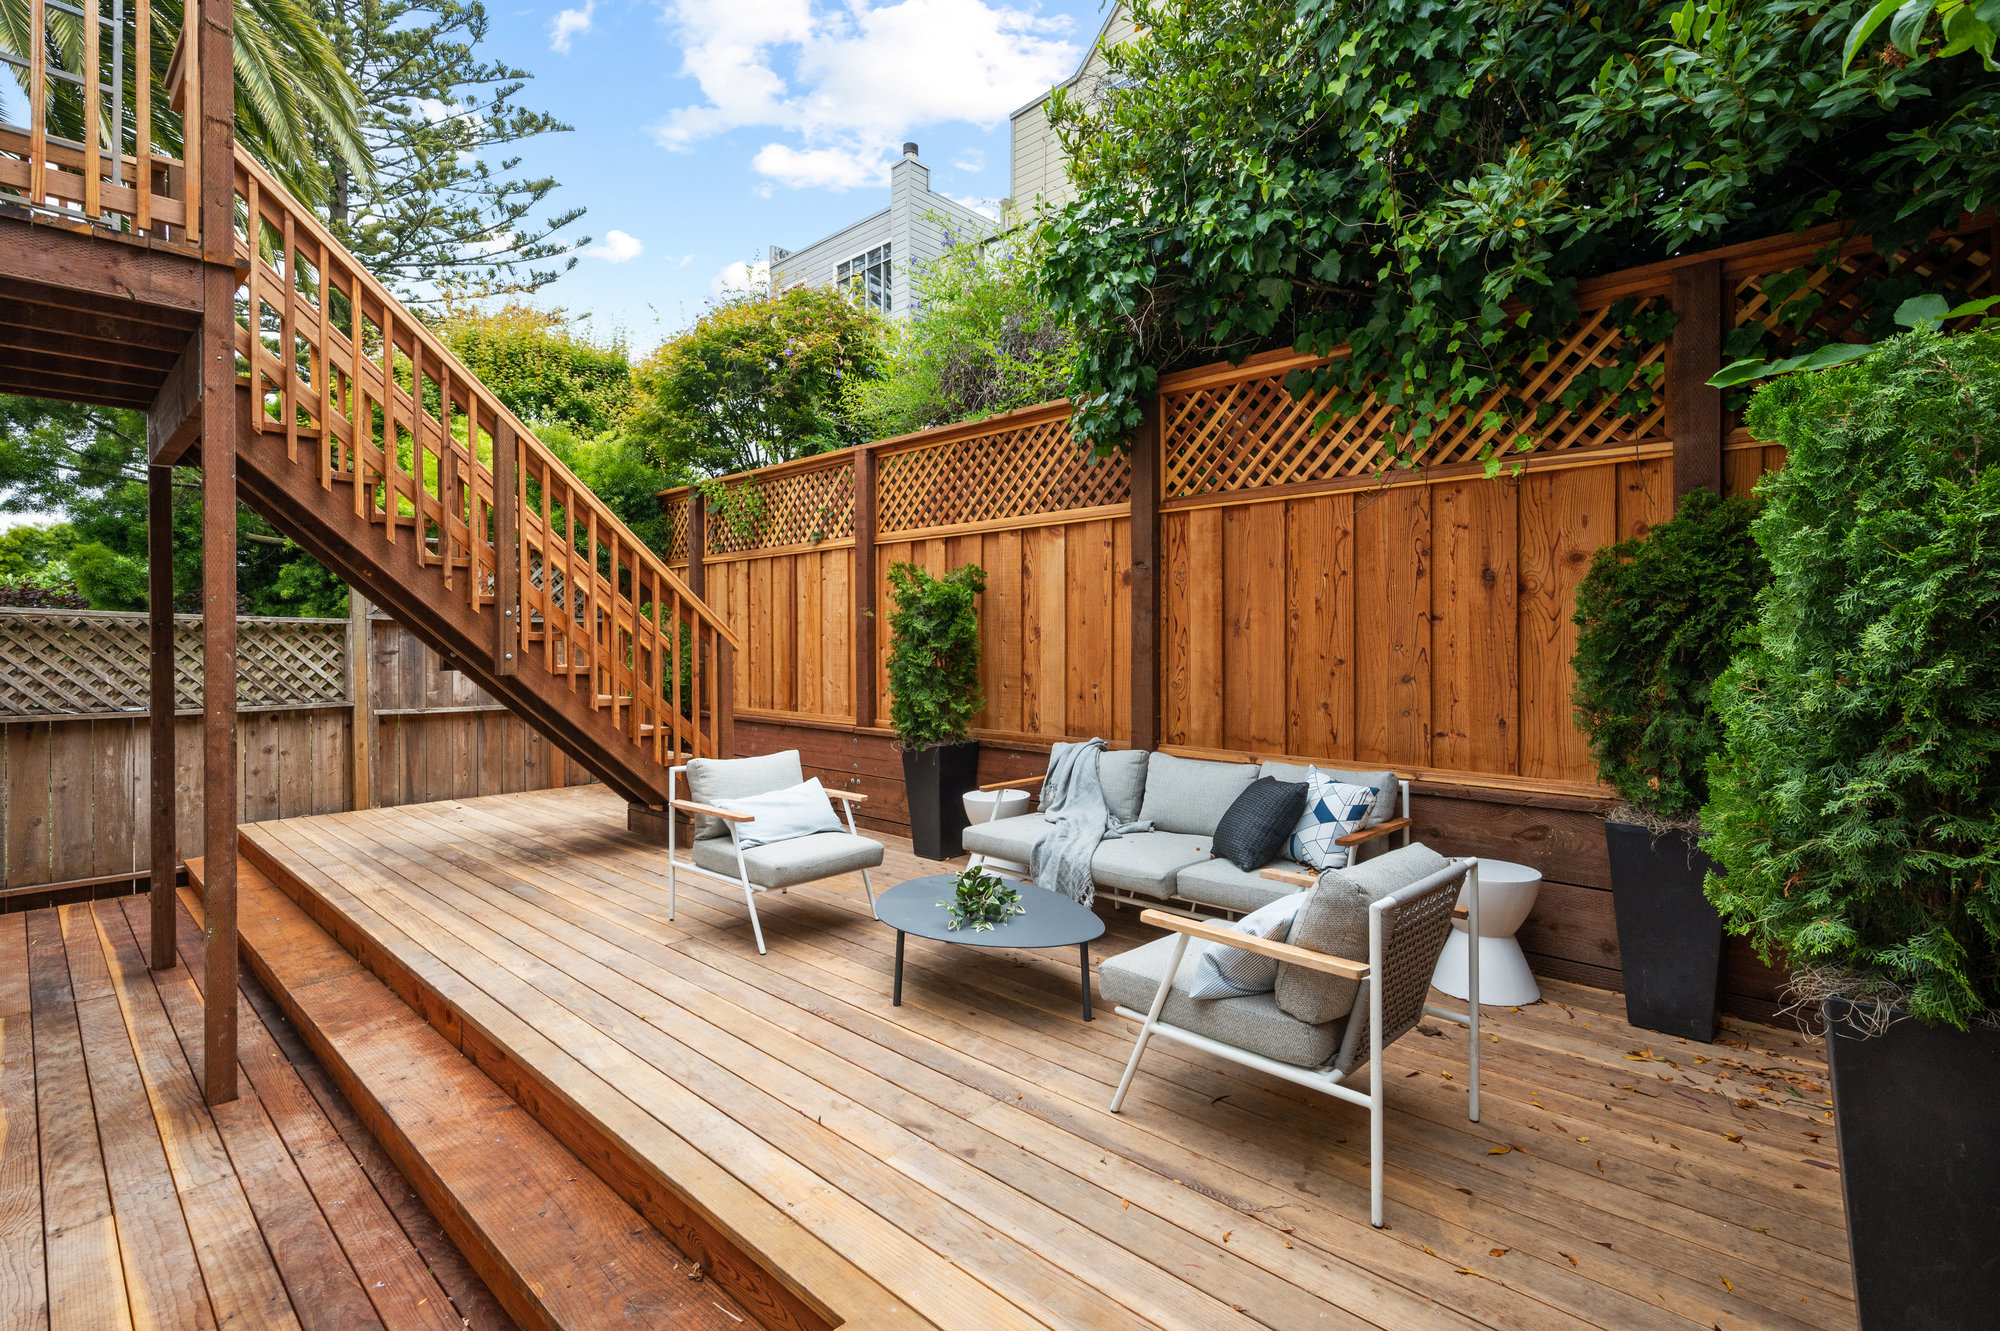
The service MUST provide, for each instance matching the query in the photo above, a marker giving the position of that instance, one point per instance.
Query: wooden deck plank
(24, 1295)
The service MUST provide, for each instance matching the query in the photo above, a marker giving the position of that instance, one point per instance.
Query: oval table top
(1052, 920)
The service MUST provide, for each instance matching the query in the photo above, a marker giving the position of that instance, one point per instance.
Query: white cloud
(569, 25)
(972, 159)
(984, 207)
(844, 82)
(740, 277)
(493, 244)
(616, 247)
(686, 259)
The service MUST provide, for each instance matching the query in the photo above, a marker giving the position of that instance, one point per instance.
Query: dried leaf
(1496, 1252)
(1561, 1253)
(1500, 1150)
(1726, 1285)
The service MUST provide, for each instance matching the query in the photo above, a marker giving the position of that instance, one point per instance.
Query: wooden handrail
(370, 397)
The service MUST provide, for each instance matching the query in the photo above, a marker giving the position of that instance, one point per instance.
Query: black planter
(1917, 1114)
(937, 779)
(1669, 937)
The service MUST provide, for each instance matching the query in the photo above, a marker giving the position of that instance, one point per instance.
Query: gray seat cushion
(1388, 789)
(711, 779)
(1220, 884)
(1253, 1022)
(1189, 796)
(1334, 920)
(1007, 838)
(786, 863)
(1146, 862)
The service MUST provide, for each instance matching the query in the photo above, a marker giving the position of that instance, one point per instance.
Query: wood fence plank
(1392, 627)
(1253, 646)
(1089, 629)
(1645, 496)
(1319, 656)
(27, 812)
(1564, 517)
(1045, 661)
(1476, 725)
(1002, 631)
(1206, 629)
(1123, 680)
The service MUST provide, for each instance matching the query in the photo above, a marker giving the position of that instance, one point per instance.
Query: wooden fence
(1251, 581)
(75, 778)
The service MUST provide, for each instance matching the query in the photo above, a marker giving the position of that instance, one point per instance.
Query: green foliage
(542, 364)
(934, 689)
(758, 379)
(978, 341)
(620, 473)
(1967, 25)
(109, 580)
(981, 900)
(1855, 807)
(1426, 184)
(1657, 618)
(28, 552)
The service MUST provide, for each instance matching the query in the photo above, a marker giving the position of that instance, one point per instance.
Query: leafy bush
(1656, 618)
(108, 579)
(1855, 806)
(934, 689)
(545, 366)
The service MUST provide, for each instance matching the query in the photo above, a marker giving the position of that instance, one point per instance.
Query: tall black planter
(1917, 1114)
(1669, 937)
(937, 779)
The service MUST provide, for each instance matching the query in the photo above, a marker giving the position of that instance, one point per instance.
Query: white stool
(1507, 895)
(979, 808)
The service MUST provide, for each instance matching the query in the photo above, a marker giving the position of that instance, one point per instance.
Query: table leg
(897, 1001)
(1083, 955)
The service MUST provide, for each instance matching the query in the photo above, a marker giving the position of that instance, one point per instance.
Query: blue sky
(707, 131)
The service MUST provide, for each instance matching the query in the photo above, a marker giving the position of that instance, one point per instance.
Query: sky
(707, 131)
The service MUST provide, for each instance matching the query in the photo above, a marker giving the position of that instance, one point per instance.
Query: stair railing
(372, 399)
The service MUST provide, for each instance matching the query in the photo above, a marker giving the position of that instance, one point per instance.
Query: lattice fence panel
(1009, 473)
(676, 510)
(791, 508)
(1854, 298)
(1250, 433)
(84, 663)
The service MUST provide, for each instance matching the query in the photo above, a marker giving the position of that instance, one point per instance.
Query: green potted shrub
(1854, 808)
(934, 693)
(1656, 617)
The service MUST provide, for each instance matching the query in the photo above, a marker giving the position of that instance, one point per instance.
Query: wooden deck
(124, 1203)
(951, 1162)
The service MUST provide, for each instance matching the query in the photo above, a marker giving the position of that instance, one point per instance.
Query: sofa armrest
(1212, 932)
(1020, 783)
(1383, 828)
(851, 796)
(726, 815)
(1296, 877)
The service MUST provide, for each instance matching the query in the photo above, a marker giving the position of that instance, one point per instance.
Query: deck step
(558, 1248)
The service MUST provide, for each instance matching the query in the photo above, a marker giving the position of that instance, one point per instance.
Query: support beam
(506, 550)
(1694, 410)
(1145, 572)
(173, 422)
(95, 271)
(165, 859)
(862, 584)
(219, 426)
(361, 726)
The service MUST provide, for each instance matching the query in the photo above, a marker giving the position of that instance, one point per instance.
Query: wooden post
(1694, 410)
(506, 556)
(361, 726)
(861, 582)
(1145, 688)
(697, 573)
(160, 615)
(725, 698)
(219, 424)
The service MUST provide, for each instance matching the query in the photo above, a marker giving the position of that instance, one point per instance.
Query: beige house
(1039, 170)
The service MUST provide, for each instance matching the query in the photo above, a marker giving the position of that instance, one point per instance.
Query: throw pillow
(1187, 795)
(1230, 972)
(1259, 822)
(784, 815)
(1334, 920)
(1333, 809)
(711, 780)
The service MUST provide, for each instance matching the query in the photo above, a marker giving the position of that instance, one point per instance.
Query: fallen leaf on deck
(1561, 1253)
(1732, 1136)
(1496, 1252)
(1500, 1150)
(1726, 1285)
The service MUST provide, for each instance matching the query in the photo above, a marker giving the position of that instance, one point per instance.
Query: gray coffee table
(1051, 921)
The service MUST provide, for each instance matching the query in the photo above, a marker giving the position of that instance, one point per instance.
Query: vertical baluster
(142, 112)
(38, 103)
(417, 469)
(93, 122)
(390, 448)
(288, 333)
(357, 398)
(326, 387)
(118, 92)
(191, 143)
(597, 619)
(548, 575)
(254, 353)
(517, 496)
(569, 605)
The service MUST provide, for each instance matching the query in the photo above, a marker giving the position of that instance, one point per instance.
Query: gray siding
(1038, 171)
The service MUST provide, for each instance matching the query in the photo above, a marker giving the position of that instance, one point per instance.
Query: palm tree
(290, 87)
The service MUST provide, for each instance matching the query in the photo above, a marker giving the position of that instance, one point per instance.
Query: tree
(1426, 184)
(445, 213)
(758, 379)
(546, 367)
(978, 341)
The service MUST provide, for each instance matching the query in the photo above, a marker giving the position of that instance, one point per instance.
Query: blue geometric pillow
(1333, 809)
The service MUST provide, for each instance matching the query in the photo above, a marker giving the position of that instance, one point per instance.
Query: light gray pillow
(1231, 972)
(712, 779)
(1388, 790)
(1334, 920)
(1190, 796)
(783, 815)
(1122, 774)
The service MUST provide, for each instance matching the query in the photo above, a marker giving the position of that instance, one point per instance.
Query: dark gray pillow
(1259, 823)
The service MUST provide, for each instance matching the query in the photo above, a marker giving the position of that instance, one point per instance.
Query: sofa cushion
(1146, 862)
(1257, 826)
(1007, 838)
(1334, 920)
(1189, 796)
(1254, 1022)
(1122, 774)
(1230, 972)
(782, 815)
(786, 863)
(1222, 885)
(711, 779)
(1388, 790)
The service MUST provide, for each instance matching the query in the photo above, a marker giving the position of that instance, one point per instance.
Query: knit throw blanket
(1073, 800)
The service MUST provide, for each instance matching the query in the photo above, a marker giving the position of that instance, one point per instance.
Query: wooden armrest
(1370, 833)
(1219, 933)
(726, 815)
(1460, 913)
(1296, 877)
(851, 796)
(1019, 784)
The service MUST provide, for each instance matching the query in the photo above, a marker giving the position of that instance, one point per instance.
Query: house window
(867, 275)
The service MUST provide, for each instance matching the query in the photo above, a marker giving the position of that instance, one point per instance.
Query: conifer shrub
(1656, 617)
(1853, 804)
(934, 689)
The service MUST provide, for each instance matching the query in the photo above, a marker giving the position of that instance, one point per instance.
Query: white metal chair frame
(1327, 1078)
(730, 818)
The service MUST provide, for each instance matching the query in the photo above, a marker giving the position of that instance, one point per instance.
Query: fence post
(1145, 609)
(697, 574)
(861, 583)
(165, 858)
(360, 693)
(1694, 410)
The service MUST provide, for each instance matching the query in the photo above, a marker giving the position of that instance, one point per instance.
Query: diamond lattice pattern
(1009, 473)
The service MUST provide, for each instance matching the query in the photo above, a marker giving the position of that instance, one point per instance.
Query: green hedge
(934, 689)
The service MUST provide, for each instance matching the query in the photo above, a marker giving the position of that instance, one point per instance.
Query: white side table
(1507, 894)
(979, 808)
